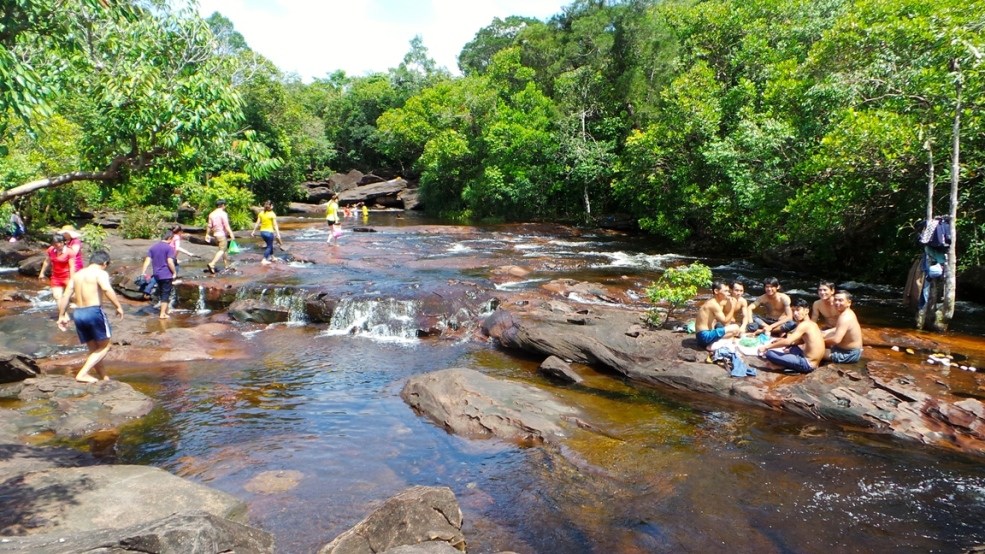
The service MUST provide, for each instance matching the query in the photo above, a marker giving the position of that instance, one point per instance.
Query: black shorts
(164, 289)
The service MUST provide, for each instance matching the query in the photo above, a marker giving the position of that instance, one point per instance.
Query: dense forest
(811, 128)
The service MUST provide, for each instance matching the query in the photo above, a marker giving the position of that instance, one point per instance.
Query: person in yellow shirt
(267, 223)
(332, 218)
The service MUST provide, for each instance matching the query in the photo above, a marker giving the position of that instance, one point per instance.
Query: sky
(313, 38)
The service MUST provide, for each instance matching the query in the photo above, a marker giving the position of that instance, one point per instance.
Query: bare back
(813, 341)
(89, 285)
(708, 314)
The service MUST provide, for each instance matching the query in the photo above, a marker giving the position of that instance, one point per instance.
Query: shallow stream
(321, 407)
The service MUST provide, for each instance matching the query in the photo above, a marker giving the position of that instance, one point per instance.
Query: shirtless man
(778, 315)
(86, 288)
(787, 352)
(823, 311)
(844, 341)
(737, 303)
(712, 312)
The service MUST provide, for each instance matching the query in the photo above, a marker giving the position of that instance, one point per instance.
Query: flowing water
(319, 405)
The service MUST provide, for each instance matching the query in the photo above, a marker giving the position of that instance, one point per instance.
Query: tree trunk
(930, 180)
(951, 273)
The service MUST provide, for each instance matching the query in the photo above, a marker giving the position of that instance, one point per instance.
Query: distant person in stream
(333, 220)
(160, 258)
(803, 348)
(59, 259)
(267, 223)
(844, 341)
(823, 311)
(17, 228)
(218, 227)
(776, 305)
(87, 287)
(712, 313)
(179, 234)
(73, 242)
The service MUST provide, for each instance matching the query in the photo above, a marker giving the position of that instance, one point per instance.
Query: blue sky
(314, 38)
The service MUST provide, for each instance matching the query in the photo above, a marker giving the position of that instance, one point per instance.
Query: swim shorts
(91, 324)
(843, 356)
(164, 289)
(707, 337)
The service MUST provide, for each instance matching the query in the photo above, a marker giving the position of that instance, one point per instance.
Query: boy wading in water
(86, 288)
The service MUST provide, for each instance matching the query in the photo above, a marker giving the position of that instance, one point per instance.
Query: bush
(676, 287)
(227, 186)
(94, 238)
(143, 223)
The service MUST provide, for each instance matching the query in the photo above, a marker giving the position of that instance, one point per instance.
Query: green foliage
(94, 238)
(228, 187)
(677, 286)
(144, 222)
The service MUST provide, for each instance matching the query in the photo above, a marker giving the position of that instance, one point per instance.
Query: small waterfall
(292, 299)
(43, 302)
(387, 319)
(200, 307)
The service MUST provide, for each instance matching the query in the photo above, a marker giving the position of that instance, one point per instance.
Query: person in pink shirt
(178, 233)
(73, 244)
(218, 227)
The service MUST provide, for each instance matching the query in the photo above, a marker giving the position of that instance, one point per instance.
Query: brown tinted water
(669, 473)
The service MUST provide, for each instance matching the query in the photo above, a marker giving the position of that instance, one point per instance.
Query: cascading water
(200, 306)
(293, 300)
(386, 319)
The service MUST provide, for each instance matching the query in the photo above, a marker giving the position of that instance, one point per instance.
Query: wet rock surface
(892, 398)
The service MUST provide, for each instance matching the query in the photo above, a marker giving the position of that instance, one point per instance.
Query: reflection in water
(664, 476)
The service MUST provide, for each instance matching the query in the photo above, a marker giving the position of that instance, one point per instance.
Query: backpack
(937, 234)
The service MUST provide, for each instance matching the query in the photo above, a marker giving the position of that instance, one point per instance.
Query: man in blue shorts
(86, 289)
(844, 341)
(712, 312)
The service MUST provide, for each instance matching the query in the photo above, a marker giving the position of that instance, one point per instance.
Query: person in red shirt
(60, 260)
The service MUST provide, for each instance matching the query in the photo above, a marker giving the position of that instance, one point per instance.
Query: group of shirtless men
(804, 335)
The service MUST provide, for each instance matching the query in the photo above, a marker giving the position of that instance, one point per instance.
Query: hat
(220, 202)
(70, 231)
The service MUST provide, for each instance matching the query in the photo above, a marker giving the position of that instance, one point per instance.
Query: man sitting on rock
(712, 312)
(844, 341)
(777, 306)
(787, 353)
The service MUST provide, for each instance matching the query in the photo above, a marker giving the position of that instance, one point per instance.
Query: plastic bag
(337, 232)
(233, 248)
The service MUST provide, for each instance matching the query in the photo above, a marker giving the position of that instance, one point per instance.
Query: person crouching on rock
(787, 352)
(712, 312)
(86, 288)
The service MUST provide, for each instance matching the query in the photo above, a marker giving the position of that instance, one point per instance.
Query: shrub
(676, 287)
(94, 238)
(143, 223)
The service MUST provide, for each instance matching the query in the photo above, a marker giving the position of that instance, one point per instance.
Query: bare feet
(164, 317)
(86, 379)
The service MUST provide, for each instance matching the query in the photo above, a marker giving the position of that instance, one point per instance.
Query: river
(320, 406)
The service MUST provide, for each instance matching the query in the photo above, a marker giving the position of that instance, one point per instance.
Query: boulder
(410, 198)
(302, 208)
(15, 366)
(475, 405)
(383, 193)
(80, 499)
(258, 311)
(416, 516)
(17, 459)
(559, 370)
(196, 532)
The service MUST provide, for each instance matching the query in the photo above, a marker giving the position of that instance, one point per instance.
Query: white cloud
(314, 38)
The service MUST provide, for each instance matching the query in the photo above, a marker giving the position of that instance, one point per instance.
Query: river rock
(258, 311)
(17, 459)
(384, 193)
(71, 500)
(896, 399)
(475, 405)
(178, 533)
(559, 370)
(15, 366)
(60, 405)
(415, 516)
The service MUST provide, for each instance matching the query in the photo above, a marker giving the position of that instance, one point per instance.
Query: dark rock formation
(415, 516)
(475, 405)
(258, 311)
(559, 370)
(15, 366)
(886, 398)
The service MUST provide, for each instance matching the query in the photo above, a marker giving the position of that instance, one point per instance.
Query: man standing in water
(788, 353)
(218, 227)
(87, 288)
(160, 258)
(710, 313)
(844, 342)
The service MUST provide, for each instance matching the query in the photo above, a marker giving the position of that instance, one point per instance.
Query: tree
(144, 91)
